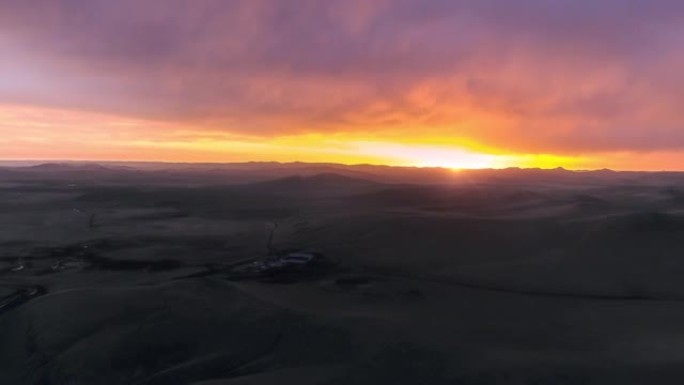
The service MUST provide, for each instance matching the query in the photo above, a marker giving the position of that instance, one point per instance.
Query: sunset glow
(59, 134)
(428, 84)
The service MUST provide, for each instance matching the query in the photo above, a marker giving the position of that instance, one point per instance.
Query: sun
(435, 156)
(457, 160)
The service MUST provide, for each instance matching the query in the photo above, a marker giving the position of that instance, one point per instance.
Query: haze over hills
(119, 274)
(234, 173)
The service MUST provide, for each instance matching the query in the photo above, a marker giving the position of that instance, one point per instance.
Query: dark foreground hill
(116, 275)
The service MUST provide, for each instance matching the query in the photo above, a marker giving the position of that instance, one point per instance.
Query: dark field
(120, 274)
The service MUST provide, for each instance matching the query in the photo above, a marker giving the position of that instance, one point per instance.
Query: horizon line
(37, 162)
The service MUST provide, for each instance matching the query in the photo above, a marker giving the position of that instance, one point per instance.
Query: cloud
(562, 76)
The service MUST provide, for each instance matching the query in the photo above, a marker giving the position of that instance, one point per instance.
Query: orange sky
(468, 84)
(50, 134)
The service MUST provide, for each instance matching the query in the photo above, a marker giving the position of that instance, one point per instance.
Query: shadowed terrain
(121, 274)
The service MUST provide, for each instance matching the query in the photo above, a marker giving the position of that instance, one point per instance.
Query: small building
(299, 258)
(299, 263)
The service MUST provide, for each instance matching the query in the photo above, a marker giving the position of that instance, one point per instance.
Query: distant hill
(66, 167)
(328, 174)
(324, 183)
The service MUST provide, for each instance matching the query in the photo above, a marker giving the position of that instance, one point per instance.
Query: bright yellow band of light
(28, 133)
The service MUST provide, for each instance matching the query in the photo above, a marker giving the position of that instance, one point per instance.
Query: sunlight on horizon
(55, 134)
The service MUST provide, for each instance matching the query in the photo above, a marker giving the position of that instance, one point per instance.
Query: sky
(581, 84)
